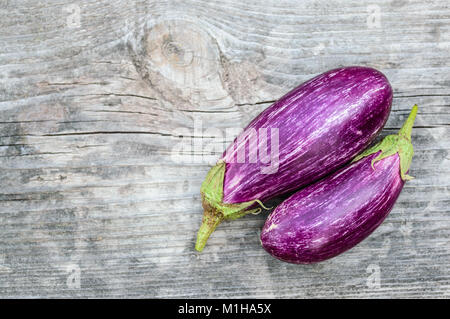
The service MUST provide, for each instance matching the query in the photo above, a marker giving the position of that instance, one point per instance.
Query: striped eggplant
(312, 131)
(333, 215)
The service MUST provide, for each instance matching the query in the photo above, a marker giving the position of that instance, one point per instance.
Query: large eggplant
(312, 131)
(336, 213)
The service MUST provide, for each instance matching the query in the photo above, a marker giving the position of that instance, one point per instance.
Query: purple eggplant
(333, 215)
(311, 131)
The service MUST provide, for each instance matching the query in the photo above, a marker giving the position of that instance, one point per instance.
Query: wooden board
(94, 96)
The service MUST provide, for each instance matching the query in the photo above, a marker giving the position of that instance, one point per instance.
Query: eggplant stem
(211, 219)
(262, 205)
(406, 129)
(215, 210)
(397, 143)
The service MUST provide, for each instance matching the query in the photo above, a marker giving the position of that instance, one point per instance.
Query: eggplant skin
(322, 124)
(333, 215)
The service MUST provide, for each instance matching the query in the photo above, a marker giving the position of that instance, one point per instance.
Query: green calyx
(215, 211)
(399, 143)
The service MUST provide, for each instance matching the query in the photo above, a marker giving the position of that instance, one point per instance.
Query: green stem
(210, 221)
(406, 129)
(214, 209)
(395, 144)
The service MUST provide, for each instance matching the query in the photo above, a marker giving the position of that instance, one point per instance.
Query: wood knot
(176, 54)
(182, 52)
(181, 60)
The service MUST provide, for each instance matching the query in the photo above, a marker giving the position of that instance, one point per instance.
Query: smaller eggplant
(335, 214)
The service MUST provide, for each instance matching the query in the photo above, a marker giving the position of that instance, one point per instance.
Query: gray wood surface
(94, 96)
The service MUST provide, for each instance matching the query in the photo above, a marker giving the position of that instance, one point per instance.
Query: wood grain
(94, 96)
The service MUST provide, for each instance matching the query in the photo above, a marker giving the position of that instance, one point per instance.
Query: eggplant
(333, 215)
(312, 131)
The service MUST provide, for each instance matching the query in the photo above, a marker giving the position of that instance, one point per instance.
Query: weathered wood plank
(94, 95)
